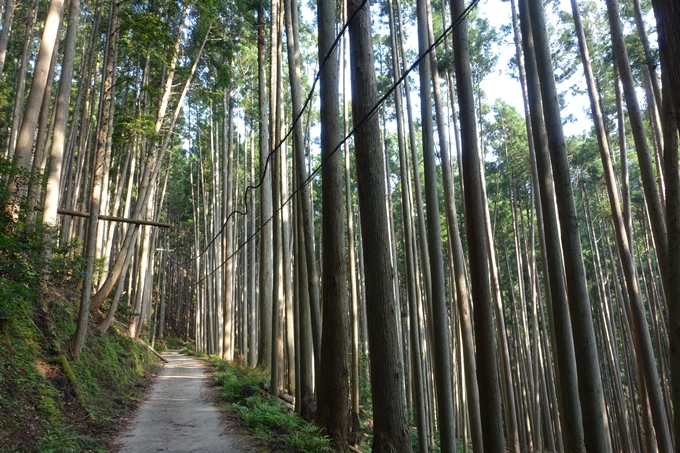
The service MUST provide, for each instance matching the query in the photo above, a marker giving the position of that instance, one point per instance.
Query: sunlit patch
(48, 371)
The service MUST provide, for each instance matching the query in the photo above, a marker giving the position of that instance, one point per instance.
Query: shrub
(269, 420)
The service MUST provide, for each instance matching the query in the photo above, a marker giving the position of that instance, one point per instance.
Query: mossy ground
(38, 408)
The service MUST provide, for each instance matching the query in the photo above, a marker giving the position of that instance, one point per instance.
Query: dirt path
(180, 415)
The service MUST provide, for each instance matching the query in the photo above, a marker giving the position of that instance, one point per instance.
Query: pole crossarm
(115, 219)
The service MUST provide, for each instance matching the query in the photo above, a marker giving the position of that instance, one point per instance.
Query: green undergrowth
(174, 343)
(39, 410)
(268, 419)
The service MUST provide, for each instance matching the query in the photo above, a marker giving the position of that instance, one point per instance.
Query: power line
(316, 170)
(297, 118)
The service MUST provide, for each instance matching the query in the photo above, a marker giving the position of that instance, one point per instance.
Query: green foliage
(13, 298)
(34, 388)
(65, 439)
(21, 252)
(189, 348)
(28, 254)
(266, 416)
(175, 343)
(38, 309)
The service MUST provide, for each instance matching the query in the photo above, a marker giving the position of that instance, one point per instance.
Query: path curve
(180, 415)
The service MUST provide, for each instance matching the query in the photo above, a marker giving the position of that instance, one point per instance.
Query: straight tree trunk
(562, 337)
(390, 425)
(442, 362)
(417, 376)
(292, 35)
(641, 336)
(647, 175)
(106, 99)
(304, 322)
(475, 223)
(252, 272)
(349, 210)
(228, 225)
(625, 181)
(334, 392)
(593, 410)
(38, 158)
(26, 137)
(20, 95)
(463, 306)
(4, 35)
(266, 239)
(666, 12)
(421, 230)
(278, 147)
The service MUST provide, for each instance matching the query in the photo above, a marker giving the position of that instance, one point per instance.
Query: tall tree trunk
(252, 273)
(334, 391)
(278, 148)
(26, 137)
(594, 414)
(38, 159)
(105, 118)
(475, 223)
(562, 339)
(349, 211)
(625, 181)
(4, 35)
(292, 35)
(20, 95)
(266, 239)
(417, 376)
(641, 336)
(437, 304)
(647, 174)
(228, 225)
(390, 425)
(666, 13)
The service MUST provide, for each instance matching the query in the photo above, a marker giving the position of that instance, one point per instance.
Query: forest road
(179, 415)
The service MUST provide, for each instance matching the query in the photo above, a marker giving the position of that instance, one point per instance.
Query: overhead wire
(297, 118)
(374, 109)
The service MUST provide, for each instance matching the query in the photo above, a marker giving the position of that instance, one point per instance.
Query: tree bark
(312, 273)
(442, 362)
(61, 117)
(475, 223)
(266, 239)
(334, 392)
(641, 336)
(20, 95)
(647, 175)
(417, 375)
(390, 424)
(4, 35)
(26, 137)
(666, 13)
(105, 118)
(594, 414)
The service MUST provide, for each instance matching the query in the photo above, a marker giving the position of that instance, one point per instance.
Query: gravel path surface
(180, 415)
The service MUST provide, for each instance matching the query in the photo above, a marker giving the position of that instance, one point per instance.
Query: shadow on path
(180, 415)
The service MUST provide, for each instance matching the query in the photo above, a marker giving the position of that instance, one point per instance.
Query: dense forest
(326, 190)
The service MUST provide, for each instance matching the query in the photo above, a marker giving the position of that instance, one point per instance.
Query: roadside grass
(173, 343)
(41, 408)
(268, 419)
